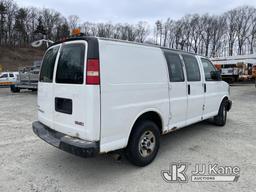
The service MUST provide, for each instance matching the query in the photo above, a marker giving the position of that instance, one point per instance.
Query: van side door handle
(205, 87)
(188, 89)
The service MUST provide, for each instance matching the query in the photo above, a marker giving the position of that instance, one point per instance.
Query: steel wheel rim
(147, 144)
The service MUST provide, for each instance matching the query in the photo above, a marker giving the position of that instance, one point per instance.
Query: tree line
(231, 33)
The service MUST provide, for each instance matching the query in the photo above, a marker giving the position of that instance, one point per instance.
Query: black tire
(221, 118)
(148, 132)
(14, 89)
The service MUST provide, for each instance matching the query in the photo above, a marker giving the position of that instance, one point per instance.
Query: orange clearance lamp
(76, 32)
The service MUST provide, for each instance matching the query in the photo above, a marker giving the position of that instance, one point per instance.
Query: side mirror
(216, 75)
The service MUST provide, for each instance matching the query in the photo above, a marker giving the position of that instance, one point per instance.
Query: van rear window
(70, 68)
(46, 74)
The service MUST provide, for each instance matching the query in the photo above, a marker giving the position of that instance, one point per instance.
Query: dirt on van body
(29, 164)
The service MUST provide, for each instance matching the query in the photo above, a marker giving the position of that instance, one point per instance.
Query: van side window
(174, 67)
(208, 68)
(46, 74)
(71, 64)
(192, 68)
(11, 75)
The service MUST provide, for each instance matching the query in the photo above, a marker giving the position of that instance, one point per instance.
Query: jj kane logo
(202, 173)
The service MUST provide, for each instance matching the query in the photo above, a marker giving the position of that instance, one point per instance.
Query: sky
(132, 11)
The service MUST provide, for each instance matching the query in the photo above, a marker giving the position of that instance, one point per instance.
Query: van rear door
(45, 86)
(76, 105)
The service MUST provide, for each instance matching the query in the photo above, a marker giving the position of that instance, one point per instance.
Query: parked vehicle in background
(98, 95)
(229, 72)
(8, 78)
(254, 71)
(236, 68)
(27, 78)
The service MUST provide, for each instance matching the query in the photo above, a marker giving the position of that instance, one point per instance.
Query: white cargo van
(98, 95)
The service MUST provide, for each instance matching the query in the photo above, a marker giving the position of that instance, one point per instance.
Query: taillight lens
(93, 72)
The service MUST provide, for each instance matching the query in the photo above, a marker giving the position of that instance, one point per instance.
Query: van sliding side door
(177, 90)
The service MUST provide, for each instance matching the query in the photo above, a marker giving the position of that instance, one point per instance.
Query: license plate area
(63, 105)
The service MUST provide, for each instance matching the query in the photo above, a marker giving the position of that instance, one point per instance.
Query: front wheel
(221, 118)
(143, 143)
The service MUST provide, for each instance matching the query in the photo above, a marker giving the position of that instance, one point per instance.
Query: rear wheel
(14, 89)
(221, 118)
(143, 143)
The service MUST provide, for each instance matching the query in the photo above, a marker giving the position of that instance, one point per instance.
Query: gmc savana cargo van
(98, 95)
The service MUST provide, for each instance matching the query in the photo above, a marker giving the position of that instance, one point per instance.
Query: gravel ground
(29, 164)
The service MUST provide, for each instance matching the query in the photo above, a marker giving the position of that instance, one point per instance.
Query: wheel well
(152, 116)
(224, 99)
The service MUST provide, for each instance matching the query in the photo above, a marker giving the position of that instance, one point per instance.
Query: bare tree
(11, 11)
(243, 23)
(73, 21)
(252, 31)
(3, 12)
(207, 33)
(218, 31)
(231, 17)
(233, 32)
(142, 31)
(159, 31)
(196, 32)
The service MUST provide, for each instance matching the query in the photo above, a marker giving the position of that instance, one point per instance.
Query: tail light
(93, 72)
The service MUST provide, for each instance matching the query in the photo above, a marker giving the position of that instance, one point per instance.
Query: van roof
(94, 40)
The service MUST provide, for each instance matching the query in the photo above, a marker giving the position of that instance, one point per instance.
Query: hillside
(12, 58)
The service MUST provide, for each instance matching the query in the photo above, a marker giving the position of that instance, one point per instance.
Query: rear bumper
(64, 142)
(229, 105)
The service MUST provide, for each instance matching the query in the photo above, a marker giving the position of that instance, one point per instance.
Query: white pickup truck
(99, 95)
(8, 78)
(27, 77)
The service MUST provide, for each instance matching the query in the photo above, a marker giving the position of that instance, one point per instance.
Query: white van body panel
(134, 80)
(178, 104)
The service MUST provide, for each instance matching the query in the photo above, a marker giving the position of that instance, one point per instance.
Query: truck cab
(99, 95)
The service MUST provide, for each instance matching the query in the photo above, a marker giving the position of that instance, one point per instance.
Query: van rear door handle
(205, 87)
(188, 89)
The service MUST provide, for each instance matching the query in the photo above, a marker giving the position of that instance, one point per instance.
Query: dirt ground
(29, 164)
